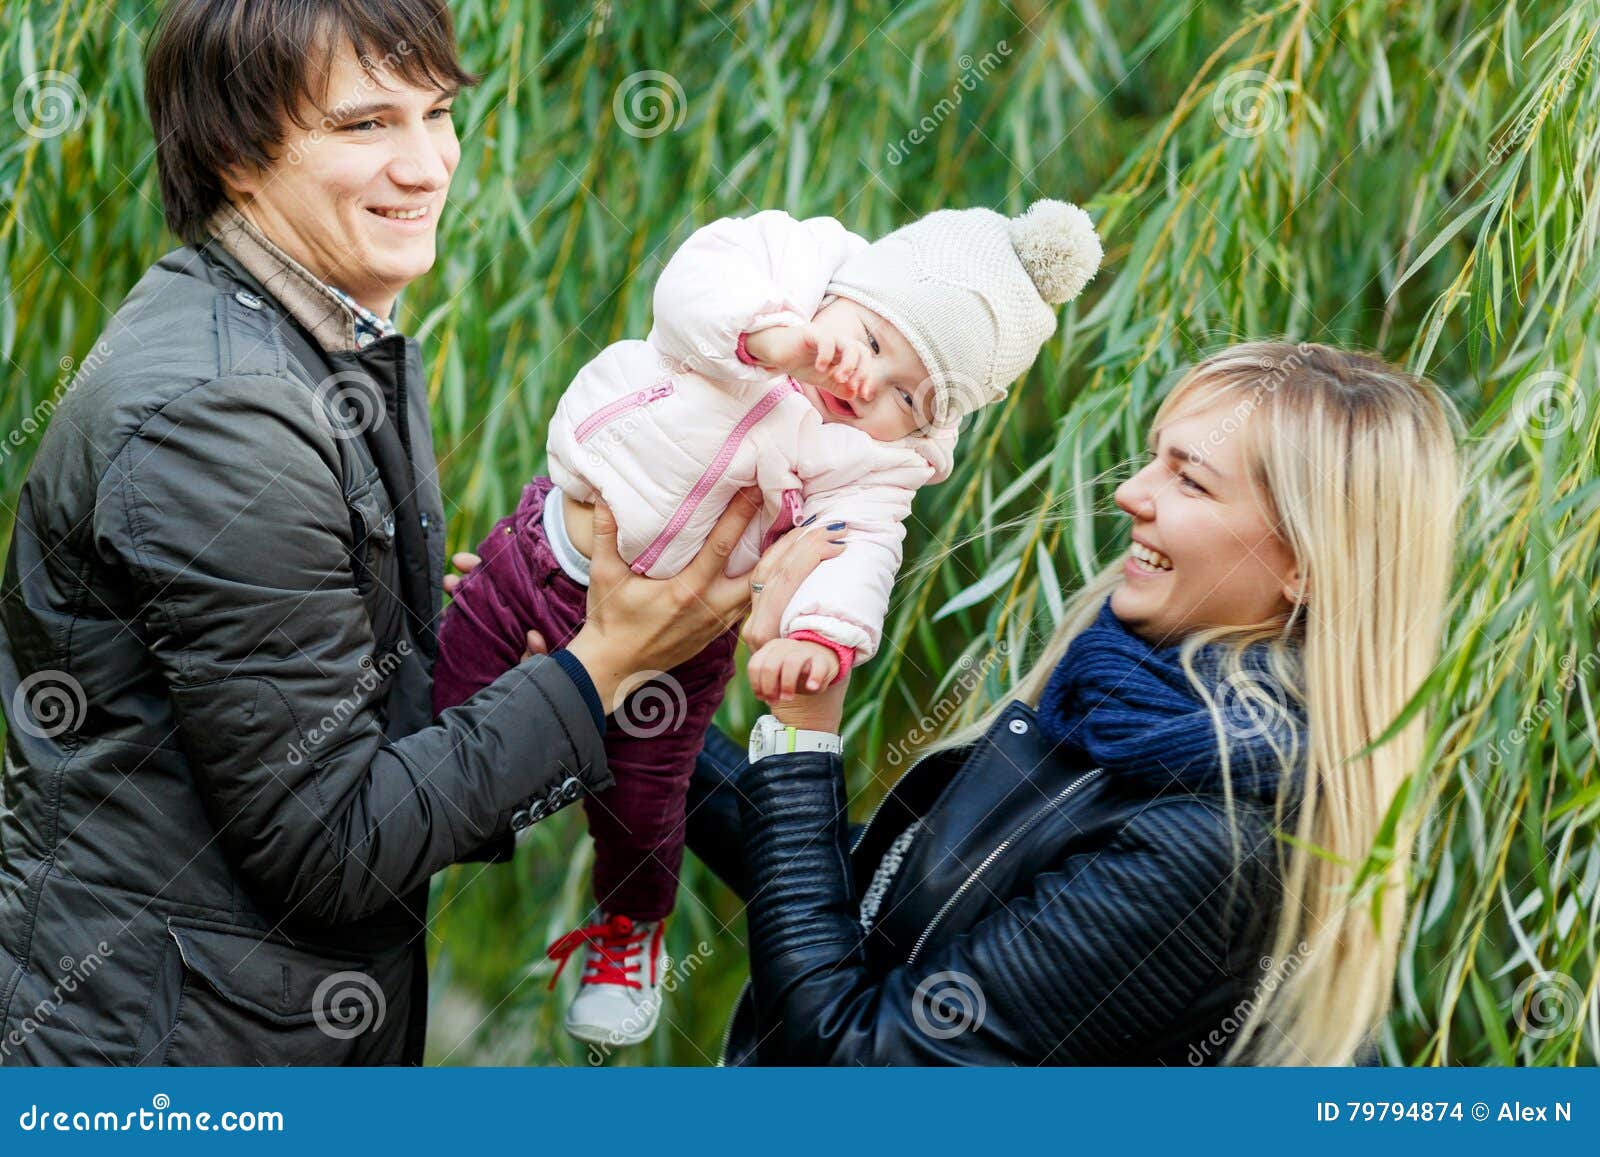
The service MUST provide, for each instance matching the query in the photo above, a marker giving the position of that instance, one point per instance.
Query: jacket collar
(302, 294)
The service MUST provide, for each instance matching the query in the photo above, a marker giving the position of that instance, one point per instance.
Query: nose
(422, 163)
(1137, 497)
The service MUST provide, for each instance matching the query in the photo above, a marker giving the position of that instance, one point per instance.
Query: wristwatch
(770, 737)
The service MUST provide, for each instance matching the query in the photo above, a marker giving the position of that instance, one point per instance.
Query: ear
(240, 179)
(1296, 588)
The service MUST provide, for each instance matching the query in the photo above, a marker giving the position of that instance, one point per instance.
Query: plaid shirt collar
(369, 326)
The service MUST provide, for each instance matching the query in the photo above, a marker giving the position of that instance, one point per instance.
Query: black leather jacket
(1044, 913)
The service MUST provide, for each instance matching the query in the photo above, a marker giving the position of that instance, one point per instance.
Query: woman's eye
(1182, 477)
(872, 342)
(905, 396)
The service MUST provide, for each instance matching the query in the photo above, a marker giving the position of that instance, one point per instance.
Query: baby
(795, 357)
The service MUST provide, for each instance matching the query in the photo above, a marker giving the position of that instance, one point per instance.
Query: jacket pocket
(611, 411)
(376, 562)
(239, 998)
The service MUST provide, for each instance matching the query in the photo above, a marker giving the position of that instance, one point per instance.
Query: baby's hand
(783, 668)
(811, 354)
(836, 364)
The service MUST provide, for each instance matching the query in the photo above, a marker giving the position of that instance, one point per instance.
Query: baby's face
(897, 399)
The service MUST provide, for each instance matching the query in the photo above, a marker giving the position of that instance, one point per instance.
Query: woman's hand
(466, 562)
(637, 624)
(780, 572)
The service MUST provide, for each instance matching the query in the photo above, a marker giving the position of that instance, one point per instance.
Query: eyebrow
(363, 112)
(1186, 458)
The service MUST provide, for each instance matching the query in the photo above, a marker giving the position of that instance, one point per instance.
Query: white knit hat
(973, 291)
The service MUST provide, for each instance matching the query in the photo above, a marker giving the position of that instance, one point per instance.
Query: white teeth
(1151, 558)
(402, 214)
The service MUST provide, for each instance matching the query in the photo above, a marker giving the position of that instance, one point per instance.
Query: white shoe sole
(596, 1035)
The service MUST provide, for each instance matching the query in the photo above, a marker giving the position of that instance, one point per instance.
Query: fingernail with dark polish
(809, 521)
(835, 526)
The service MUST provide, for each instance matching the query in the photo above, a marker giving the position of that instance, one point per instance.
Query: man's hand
(637, 624)
(787, 667)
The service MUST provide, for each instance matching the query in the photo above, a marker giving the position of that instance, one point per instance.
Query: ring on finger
(756, 588)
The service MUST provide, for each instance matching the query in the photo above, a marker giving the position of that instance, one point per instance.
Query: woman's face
(1218, 560)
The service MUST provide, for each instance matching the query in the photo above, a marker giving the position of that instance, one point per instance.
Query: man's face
(356, 198)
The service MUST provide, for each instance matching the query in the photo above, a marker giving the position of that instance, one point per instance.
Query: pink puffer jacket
(668, 429)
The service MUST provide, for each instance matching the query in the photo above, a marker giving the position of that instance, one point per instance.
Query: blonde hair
(1356, 463)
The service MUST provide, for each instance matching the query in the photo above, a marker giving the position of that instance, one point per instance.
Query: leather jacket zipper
(995, 854)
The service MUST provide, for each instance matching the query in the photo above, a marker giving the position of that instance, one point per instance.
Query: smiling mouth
(1147, 561)
(420, 213)
(835, 405)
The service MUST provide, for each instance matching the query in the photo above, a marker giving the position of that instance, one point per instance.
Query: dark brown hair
(223, 77)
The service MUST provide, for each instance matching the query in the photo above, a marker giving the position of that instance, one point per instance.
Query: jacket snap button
(247, 299)
(1019, 727)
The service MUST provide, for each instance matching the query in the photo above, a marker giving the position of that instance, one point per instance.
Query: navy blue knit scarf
(1127, 706)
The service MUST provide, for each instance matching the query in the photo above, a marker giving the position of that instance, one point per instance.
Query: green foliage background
(1414, 177)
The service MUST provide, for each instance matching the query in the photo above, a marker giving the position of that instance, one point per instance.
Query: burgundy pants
(652, 737)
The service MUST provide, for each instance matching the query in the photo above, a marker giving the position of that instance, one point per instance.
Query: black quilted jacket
(1043, 913)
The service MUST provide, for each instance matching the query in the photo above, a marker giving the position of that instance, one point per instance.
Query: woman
(1116, 864)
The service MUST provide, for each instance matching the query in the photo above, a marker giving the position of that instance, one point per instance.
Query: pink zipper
(788, 515)
(610, 410)
(713, 474)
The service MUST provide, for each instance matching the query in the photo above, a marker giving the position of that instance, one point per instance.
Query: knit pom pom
(1059, 248)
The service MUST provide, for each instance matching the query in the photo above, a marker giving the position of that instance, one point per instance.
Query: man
(223, 793)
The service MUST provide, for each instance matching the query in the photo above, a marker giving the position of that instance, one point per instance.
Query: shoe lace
(613, 941)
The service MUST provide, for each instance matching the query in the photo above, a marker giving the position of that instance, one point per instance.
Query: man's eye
(442, 113)
(361, 126)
